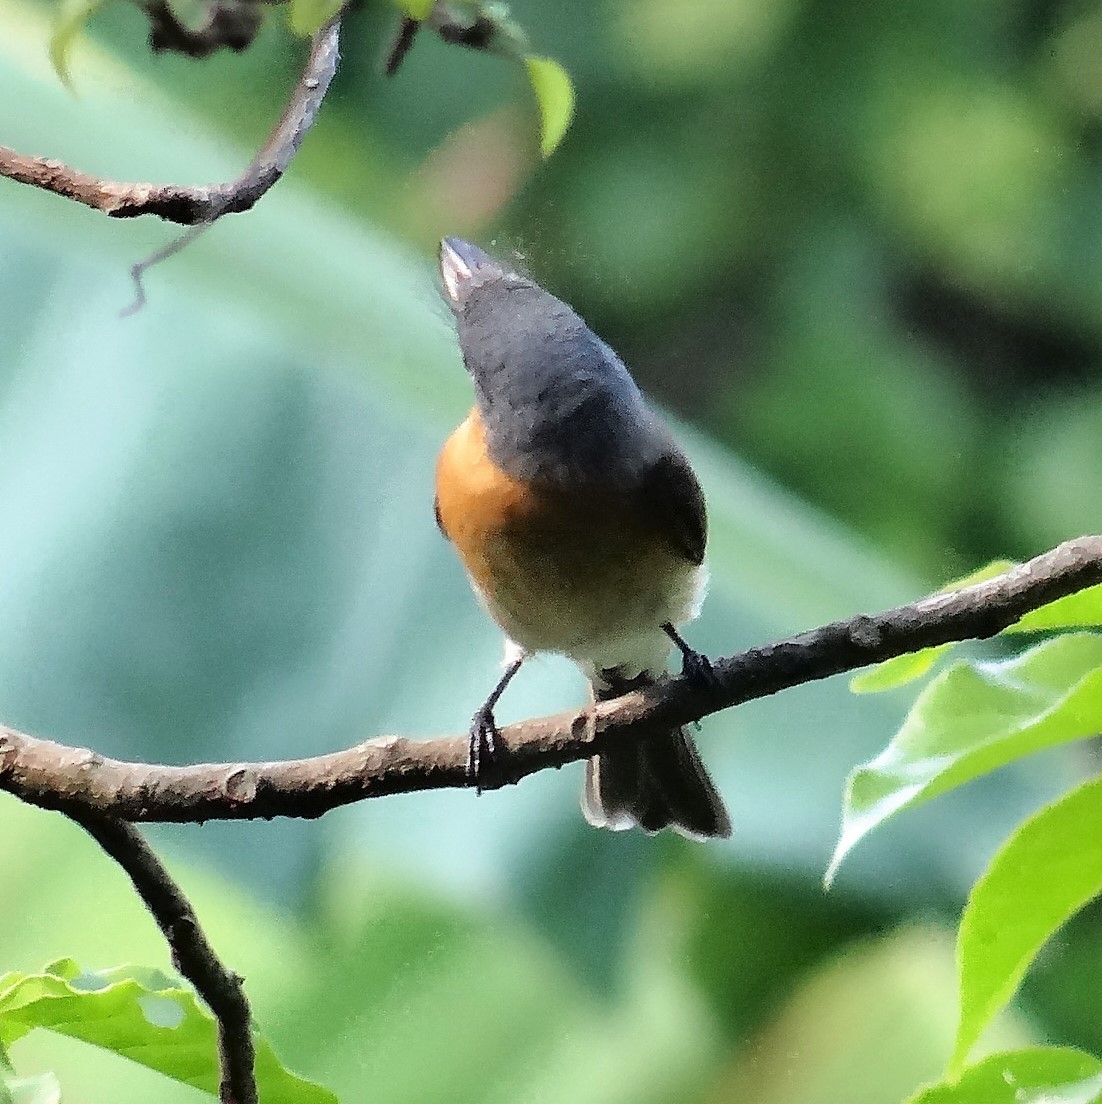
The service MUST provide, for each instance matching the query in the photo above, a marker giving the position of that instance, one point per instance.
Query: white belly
(621, 627)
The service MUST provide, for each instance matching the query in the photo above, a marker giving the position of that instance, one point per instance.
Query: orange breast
(557, 569)
(477, 503)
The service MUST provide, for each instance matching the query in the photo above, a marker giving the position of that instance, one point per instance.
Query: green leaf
(1036, 1075)
(555, 98)
(72, 15)
(972, 719)
(1076, 611)
(42, 1089)
(900, 670)
(308, 16)
(416, 9)
(896, 672)
(143, 1015)
(990, 570)
(1048, 870)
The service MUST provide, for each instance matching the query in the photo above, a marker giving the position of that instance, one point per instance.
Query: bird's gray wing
(674, 497)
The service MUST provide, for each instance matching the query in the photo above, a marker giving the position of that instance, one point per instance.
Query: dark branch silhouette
(472, 28)
(192, 954)
(204, 203)
(227, 25)
(73, 780)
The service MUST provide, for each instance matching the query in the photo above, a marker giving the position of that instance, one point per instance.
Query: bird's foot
(484, 735)
(695, 666)
(481, 746)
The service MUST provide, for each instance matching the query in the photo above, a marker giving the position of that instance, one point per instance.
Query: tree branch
(192, 954)
(190, 206)
(55, 776)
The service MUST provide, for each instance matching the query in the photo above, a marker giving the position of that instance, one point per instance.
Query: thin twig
(192, 954)
(203, 203)
(268, 165)
(401, 44)
(472, 27)
(140, 268)
(55, 776)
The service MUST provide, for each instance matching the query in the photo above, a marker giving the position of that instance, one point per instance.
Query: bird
(581, 526)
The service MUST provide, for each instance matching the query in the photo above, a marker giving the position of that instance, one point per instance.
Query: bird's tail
(656, 783)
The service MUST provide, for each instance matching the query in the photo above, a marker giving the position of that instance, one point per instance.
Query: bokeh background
(856, 251)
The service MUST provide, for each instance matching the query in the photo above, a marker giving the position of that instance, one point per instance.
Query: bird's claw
(481, 746)
(695, 666)
(698, 669)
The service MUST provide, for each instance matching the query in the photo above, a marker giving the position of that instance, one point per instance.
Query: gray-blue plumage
(557, 403)
(581, 523)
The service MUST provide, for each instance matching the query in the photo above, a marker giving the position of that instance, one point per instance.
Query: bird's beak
(462, 266)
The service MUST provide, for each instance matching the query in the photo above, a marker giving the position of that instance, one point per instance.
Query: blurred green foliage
(859, 247)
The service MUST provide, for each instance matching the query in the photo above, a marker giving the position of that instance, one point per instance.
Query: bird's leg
(695, 666)
(483, 734)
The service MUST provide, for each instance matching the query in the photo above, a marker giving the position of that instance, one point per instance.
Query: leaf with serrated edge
(555, 98)
(1034, 1075)
(972, 719)
(111, 1009)
(1045, 873)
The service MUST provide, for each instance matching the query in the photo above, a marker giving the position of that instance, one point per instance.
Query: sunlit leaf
(308, 16)
(1077, 611)
(71, 18)
(990, 570)
(555, 98)
(416, 9)
(143, 1015)
(1048, 870)
(973, 719)
(897, 671)
(1036, 1075)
